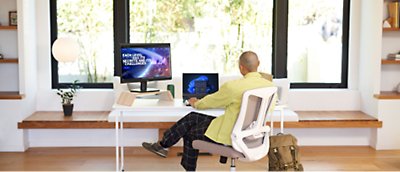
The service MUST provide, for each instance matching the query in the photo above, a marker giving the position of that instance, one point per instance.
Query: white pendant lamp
(65, 50)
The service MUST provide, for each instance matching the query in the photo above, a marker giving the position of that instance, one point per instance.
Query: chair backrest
(250, 133)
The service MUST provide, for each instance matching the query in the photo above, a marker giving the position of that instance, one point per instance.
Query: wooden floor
(137, 159)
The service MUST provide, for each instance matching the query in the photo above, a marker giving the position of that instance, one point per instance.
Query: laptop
(199, 85)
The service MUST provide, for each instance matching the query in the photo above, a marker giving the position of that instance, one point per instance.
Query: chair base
(233, 167)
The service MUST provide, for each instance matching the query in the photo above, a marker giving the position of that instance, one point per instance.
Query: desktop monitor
(145, 62)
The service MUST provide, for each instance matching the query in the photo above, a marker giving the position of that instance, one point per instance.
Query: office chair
(250, 138)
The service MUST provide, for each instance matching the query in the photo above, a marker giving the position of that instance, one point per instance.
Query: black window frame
(280, 39)
(279, 43)
(54, 63)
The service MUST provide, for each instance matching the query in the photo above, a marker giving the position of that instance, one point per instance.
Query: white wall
(8, 47)
(6, 5)
(390, 44)
(388, 136)
(11, 139)
(28, 60)
(9, 75)
(390, 76)
(354, 44)
(390, 73)
(370, 51)
(362, 69)
(324, 100)
(134, 137)
(375, 77)
(88, 137)
(13, 111)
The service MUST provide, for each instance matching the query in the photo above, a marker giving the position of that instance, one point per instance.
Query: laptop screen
(199, 84)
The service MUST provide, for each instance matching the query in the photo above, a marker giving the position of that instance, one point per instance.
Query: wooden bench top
(98, 119)
(334, 116)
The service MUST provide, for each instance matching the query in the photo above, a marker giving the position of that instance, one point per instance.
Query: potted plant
(67, 96)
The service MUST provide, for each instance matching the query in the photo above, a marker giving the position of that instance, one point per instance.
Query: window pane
(205, 36)
(315, 41)
(90, 22)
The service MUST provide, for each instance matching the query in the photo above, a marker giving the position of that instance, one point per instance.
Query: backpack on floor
(284, 153)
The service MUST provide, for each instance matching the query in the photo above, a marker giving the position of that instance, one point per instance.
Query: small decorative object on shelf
(394, 14)
(393, 57)
(13, 18)
(386, 24)
(398, 88)
(1, 56)
(67, 97)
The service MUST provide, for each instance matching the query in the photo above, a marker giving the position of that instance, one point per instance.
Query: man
(196, 126)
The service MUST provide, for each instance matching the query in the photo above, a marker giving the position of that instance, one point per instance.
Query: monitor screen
(199, 84)
(145, 62)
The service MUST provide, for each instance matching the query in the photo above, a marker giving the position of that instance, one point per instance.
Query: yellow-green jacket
(229, 97)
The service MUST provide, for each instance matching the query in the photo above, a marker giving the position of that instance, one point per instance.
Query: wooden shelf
(10, 95)
(384, 61)
(8, 27)
(9, 60)
(387, 95)
(314, 119)
(390, 29)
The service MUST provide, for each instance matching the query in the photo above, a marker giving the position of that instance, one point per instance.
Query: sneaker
(155, 148)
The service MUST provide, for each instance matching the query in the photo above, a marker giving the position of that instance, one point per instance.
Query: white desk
(148, 110)
(153, 111)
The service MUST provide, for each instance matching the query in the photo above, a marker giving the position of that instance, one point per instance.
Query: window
(205, 36)
(91, 24)
(304, 40)
(317, 43)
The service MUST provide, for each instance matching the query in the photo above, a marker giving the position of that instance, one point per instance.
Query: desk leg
(122, 141)
(272, 127)
(161, 133)
(116, 143)
(119, 145)
(282, 120)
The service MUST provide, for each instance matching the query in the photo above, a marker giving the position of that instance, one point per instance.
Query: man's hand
(192, 101)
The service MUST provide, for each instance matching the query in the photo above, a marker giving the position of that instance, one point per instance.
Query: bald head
(249, 61)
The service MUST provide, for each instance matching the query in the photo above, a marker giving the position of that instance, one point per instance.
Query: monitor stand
(144, 89)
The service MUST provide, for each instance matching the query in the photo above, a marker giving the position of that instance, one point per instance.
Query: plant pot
(68, 108)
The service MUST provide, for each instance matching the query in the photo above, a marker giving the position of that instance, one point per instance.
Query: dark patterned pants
(190, 127)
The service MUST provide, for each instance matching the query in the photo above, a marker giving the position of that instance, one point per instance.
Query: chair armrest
(255, 133)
